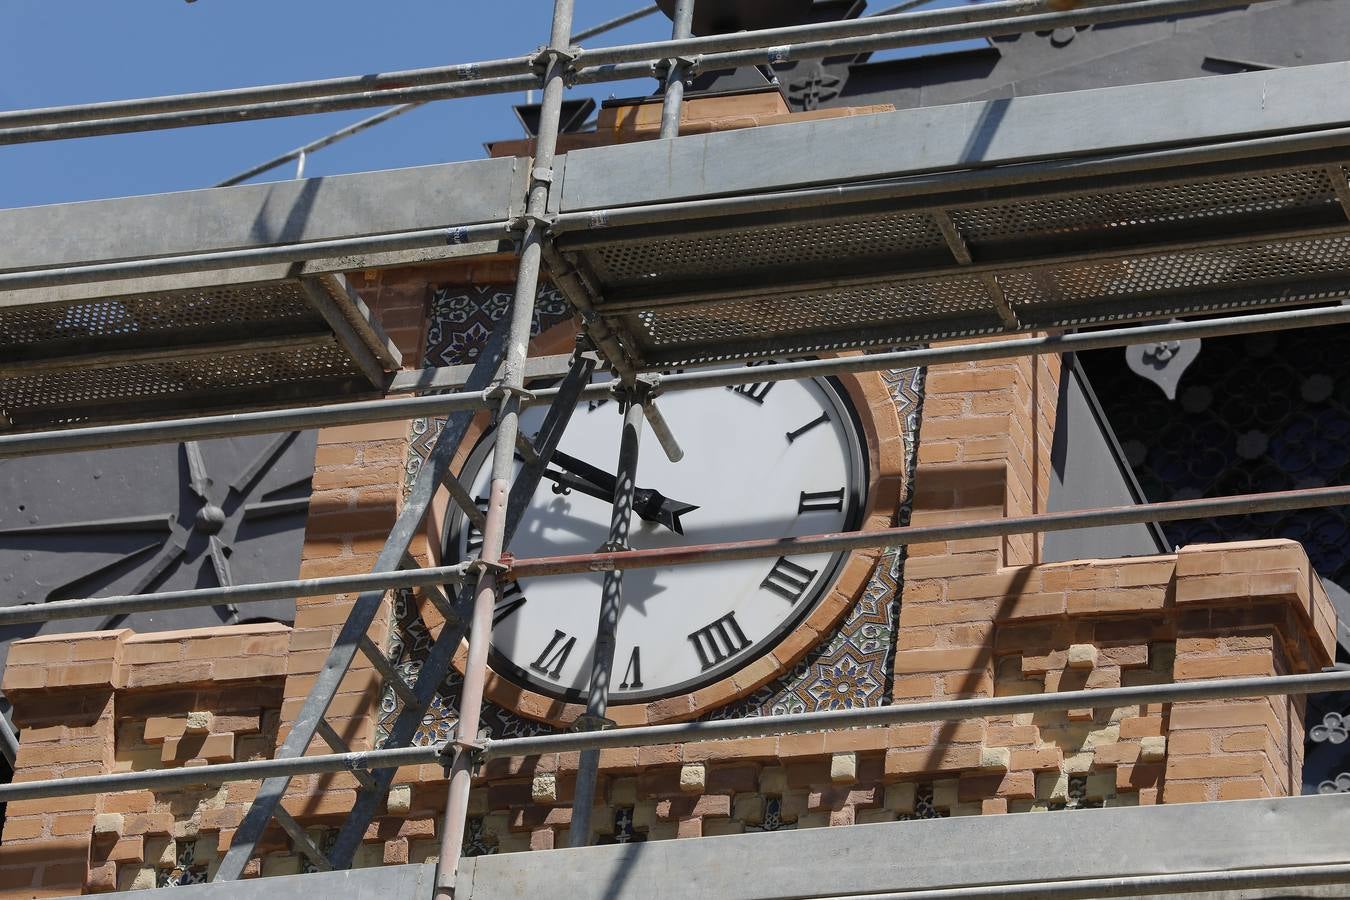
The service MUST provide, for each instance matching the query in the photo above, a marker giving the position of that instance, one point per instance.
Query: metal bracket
(524, 220)
(689, 66)
(451, 749)
(499, 390)
(587, 722)
(482, 567)
(546, 55)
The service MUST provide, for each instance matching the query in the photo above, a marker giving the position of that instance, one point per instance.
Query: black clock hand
(650, 505)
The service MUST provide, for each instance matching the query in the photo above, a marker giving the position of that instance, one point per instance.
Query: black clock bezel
(855, 505)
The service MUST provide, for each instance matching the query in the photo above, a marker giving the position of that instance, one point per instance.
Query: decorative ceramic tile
(476, 842)
(773, 817)
(851, 668)
(923, 805)
(185, 870)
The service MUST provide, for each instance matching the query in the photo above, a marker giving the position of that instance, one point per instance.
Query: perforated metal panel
(1038, 256)
(761, 247)
(202, 350)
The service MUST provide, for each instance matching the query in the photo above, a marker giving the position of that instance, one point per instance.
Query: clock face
(769, 460)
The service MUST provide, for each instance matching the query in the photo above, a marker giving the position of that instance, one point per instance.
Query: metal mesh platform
(222, 348)
(1018, 258)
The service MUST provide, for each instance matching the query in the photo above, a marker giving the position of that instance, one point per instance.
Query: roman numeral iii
(788, 580)
(719, 641)
(554, 657)
(820, 501)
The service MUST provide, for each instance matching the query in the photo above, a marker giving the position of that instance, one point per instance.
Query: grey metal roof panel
(976, 134)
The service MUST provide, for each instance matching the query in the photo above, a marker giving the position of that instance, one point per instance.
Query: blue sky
(55, 52)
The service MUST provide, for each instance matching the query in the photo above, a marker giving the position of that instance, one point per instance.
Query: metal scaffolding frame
(497, 381)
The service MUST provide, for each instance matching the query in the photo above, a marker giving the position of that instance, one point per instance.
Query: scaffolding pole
(511, 388)
(611, 598)
(231, 595)
(619, 63)
(1166, 511)
(686, 732)
(391, 410)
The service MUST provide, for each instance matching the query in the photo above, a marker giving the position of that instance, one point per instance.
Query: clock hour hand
(650, 505)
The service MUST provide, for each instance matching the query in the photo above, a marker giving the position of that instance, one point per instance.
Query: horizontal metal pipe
(223, 773)
(807, 48)
(233, 595)
(389, 410)
(270, 93)
(252, 256)
(685, 732)
(216, 115)
(936, 711)
(1168, 511)
(589, 67)
(1283, 320)
(434, 76)
(1133, 885)
(709, 46)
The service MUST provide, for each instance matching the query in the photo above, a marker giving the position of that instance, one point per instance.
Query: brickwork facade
(978, 618)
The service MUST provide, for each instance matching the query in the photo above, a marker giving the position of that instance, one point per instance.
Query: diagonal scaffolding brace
(363, 612)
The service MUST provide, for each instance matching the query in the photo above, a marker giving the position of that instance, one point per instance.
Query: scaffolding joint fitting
(525, 220)
(592, 722)
(545, 56)
(688, 66)
(501, 390)
(480, 567)
(451, 750)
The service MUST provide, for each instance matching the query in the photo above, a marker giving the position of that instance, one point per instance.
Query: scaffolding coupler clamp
(546, 55)
(452, 748)
(482, 567)
(524, 220)
(590, 722)
(689, 66)
(499, 390)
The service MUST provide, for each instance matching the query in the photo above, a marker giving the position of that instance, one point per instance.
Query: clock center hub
(210, 519)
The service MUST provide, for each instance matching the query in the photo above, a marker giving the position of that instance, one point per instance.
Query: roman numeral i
(719, 641)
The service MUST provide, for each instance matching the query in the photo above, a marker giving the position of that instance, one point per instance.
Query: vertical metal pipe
(670, 107)
(9, 742)
(503, 457)
(597, 697)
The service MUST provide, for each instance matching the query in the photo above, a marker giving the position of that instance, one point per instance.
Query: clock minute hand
(650, 505)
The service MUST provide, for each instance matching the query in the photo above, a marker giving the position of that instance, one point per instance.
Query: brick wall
(102, 702)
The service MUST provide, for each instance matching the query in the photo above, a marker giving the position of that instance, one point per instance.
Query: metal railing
(683, 733)
(618, 63)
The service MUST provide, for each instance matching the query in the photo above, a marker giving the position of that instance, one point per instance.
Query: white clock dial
(769, 460)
